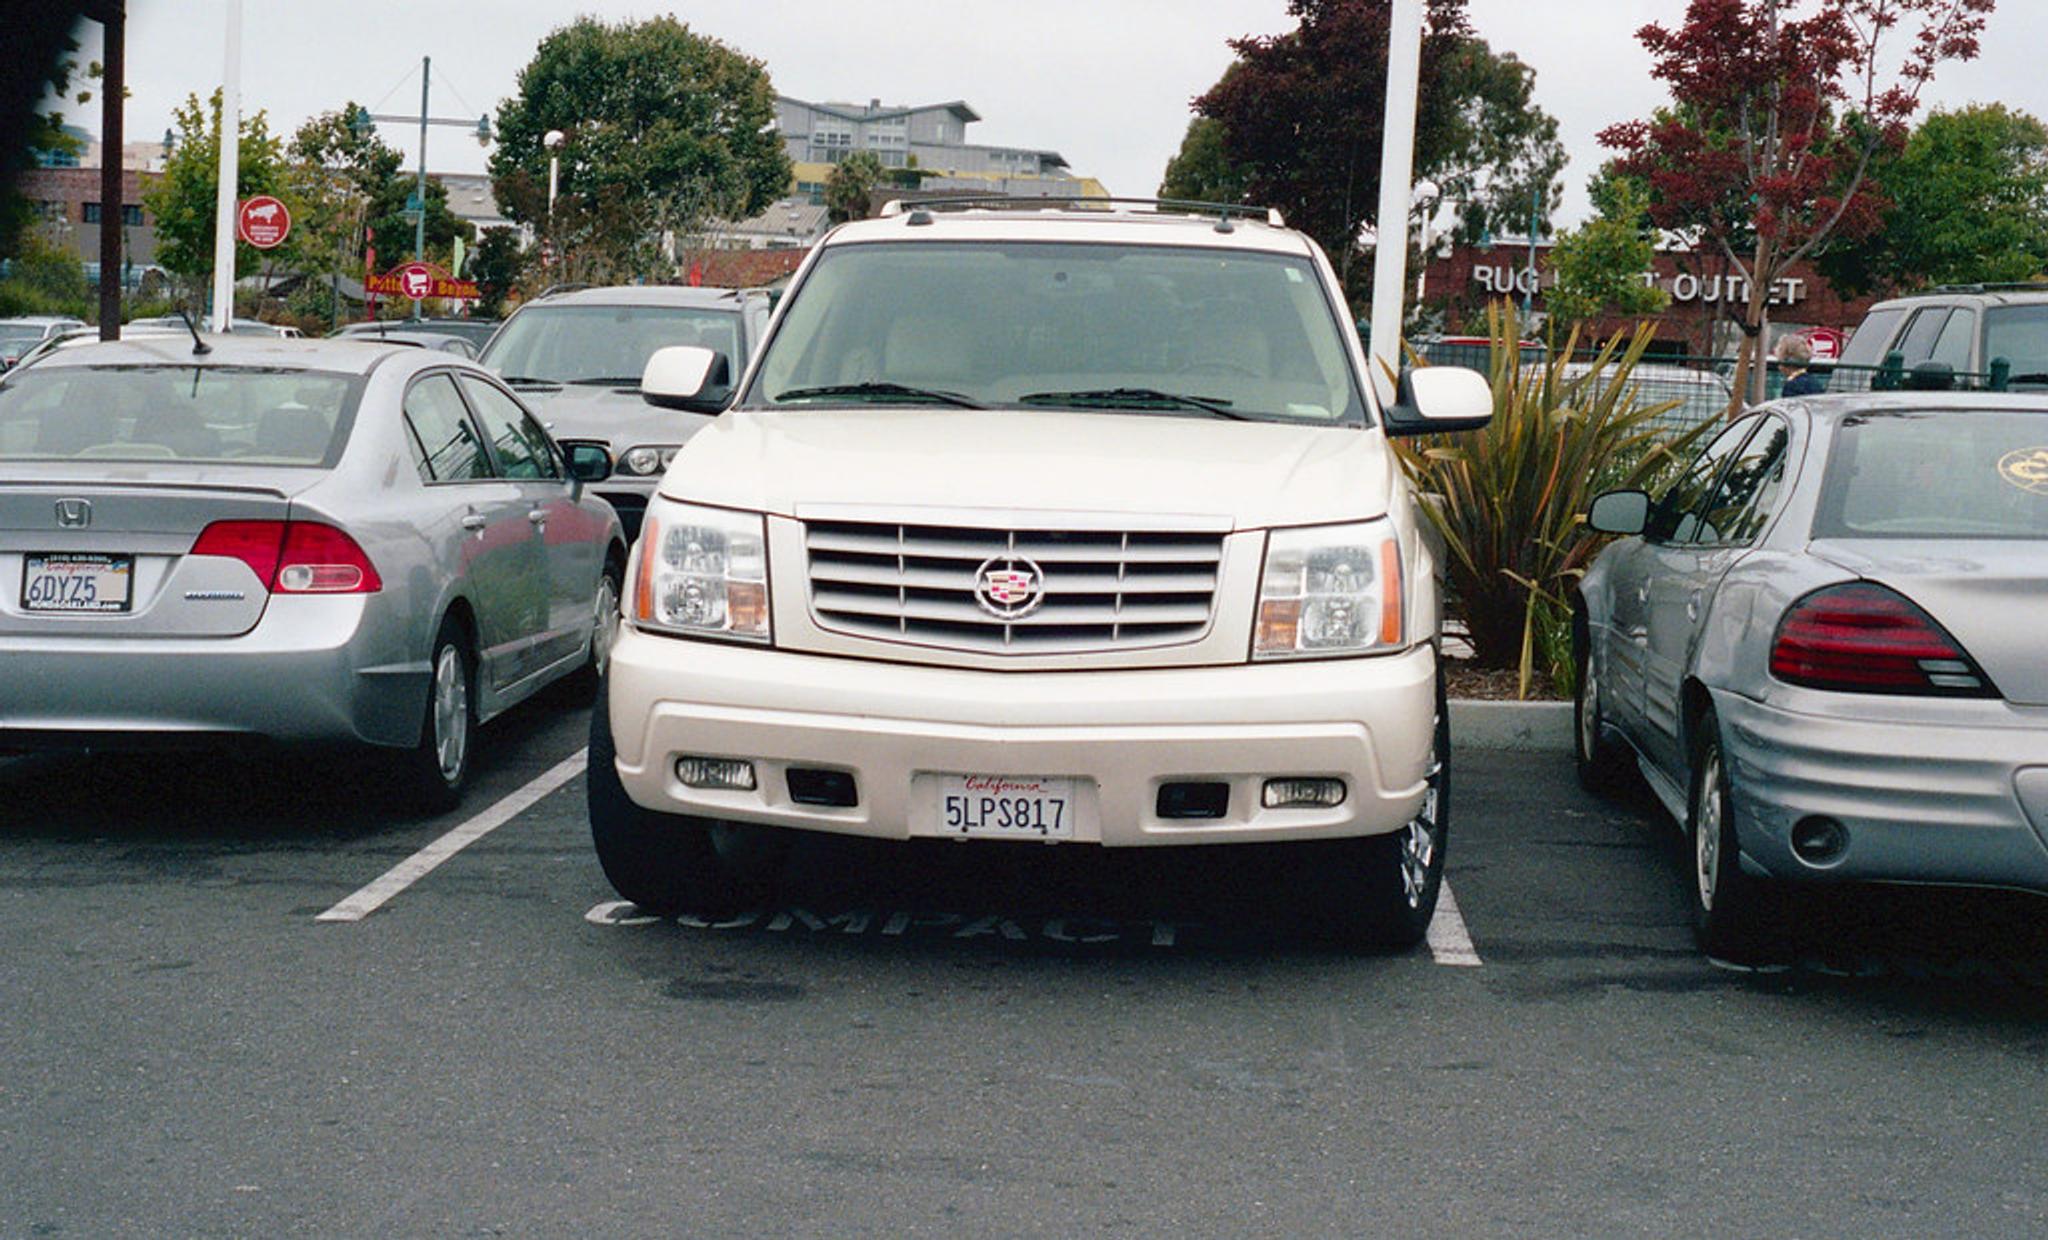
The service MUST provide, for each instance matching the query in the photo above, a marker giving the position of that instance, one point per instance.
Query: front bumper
(1958, 797)
(308, 671)
(1120, 734)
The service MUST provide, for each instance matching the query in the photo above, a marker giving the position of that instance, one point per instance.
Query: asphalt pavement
(201, 1034)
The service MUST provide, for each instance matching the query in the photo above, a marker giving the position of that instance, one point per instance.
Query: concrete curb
(1544, 727)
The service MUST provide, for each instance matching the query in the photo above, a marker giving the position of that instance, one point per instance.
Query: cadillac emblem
(1009, 587)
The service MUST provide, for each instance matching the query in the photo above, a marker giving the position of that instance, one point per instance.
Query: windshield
(604, 344)
(176, 413)
(2019, 334)
(1966, 474)
(1195, 332)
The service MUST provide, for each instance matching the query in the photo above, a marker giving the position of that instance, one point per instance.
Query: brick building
(68, 200)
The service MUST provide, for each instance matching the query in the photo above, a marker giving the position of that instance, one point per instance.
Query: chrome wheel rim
(1706, 816)
(604, 629)
(451, 713)
(1420, 837)
(1589, 711)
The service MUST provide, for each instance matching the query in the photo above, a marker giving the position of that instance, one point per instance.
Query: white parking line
(1449, 942)
(411, 870)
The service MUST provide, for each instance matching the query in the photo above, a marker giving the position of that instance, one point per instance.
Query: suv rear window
(1969, 473)
(1039, 324)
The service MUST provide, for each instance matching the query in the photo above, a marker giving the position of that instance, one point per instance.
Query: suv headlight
(1330, 590)
(702, 571)
(648, 459)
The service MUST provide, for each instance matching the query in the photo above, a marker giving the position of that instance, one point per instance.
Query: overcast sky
(1104, 82)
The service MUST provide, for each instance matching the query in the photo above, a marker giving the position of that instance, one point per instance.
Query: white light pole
(230, 170)
(1426, 197)
(553, 140)
(1397, 168)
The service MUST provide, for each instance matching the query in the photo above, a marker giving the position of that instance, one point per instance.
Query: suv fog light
(1297, 793)
(1819, 841)
(700, 772)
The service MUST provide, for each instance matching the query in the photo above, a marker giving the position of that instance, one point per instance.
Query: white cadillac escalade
(1045, 526)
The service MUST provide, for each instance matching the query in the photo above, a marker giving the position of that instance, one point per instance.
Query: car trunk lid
(113, 558)
(1989, 594)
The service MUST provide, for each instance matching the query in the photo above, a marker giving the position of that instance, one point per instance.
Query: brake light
(293, 557)
(1866, 638)
(255, 543)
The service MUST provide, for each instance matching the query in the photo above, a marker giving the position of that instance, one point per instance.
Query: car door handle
(1692, 606)
(475, 521)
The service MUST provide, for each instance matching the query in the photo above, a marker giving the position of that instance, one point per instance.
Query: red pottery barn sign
(420, 281)
(263, 222)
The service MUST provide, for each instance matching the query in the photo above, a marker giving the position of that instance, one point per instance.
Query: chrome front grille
(927, 585)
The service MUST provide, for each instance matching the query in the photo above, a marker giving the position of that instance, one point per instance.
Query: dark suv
(577, 357)
(1985, 334)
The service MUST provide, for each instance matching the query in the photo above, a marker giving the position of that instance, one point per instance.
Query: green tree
(1969, 204)
(1599, 265)
(663, 129)
(496, 267)
(847, 187)
(1202, 171)
(183, 200)
(338, 173)
(1302, 114)
(42, 34)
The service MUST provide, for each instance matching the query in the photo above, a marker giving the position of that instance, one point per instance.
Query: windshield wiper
(880, 389)
(531, 380)
(634, 380)
(1137, 398)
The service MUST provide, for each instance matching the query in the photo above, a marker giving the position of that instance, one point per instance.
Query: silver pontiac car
(1823, 645)
(231, 536)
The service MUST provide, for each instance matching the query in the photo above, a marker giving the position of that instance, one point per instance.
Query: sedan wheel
(437, 768)
(604, 631)
(1735, 915)
(1603, 766)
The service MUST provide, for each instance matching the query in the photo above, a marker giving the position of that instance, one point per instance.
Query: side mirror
(1440, 398)
(687, 377)
(588, 462)
(1619, 512)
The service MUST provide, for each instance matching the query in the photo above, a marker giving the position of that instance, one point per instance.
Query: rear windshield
(1093, 326)
(1961, 474)
(2019, 336)
(250, 415)
(604, 344)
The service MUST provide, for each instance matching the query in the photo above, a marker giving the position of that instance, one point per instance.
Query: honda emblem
(74, 514)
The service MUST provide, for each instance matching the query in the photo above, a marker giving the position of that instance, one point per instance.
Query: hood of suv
(1256, 473)
(613, 416)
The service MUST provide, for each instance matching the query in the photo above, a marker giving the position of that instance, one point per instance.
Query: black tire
(1604, 765)
(1734, 915)
(671, 863)
(436, 770)
(584, 682)
(1379, 892)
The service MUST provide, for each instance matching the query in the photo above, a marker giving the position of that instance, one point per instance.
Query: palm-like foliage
(1509, 502)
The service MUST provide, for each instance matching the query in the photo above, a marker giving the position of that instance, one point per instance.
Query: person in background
(1795, 354)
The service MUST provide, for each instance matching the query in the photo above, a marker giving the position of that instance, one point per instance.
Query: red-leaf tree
(1778, 108)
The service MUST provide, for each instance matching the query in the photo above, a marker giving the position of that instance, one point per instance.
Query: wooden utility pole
(112, 15)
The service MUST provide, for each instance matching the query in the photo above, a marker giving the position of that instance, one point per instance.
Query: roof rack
(2012, 286)
(1222, 211)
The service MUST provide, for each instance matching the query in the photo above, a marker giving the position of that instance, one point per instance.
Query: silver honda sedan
(301, 540)
(1823, 645)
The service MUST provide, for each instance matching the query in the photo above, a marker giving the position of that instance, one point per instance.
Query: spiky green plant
(1509, 501)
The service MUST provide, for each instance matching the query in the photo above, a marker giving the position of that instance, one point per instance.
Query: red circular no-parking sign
(263, 222)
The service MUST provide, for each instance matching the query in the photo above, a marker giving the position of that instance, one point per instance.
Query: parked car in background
(74, 337)
(20, 334)
(1040, 525)
(298, 540)
(1702, 395)
(1966, 328)
(579, 357)
(239, 326)
(404, 334)
(1821, 647)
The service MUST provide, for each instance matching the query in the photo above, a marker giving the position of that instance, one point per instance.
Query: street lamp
(416, 206)
(553, 140)
(1424, 197)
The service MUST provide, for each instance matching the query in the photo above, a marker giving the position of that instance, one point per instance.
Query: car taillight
(293, 557)
(1867, 638)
